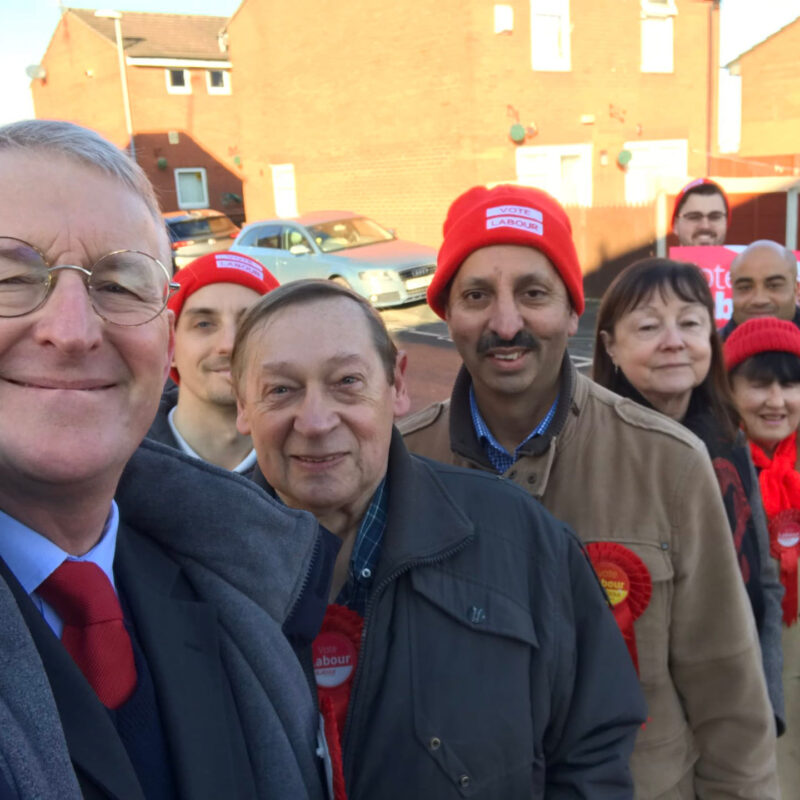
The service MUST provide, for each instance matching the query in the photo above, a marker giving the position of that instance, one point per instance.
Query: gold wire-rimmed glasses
(125, 287)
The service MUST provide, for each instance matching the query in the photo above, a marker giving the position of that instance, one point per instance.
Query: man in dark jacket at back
(468, 650)
(764, 284)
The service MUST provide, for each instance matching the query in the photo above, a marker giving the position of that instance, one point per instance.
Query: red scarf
(779, 481)
(778, 478)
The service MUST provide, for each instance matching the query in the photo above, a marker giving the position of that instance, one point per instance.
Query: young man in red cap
(637, 488)
(701, 214)
(199, 415)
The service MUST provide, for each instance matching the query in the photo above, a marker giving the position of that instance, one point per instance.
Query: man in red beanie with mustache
(636, 487)
(198, 416)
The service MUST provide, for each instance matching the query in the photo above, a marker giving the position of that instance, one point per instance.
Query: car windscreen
(203, 226)
(342, 234)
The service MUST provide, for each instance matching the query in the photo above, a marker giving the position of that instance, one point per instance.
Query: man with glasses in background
(142, 593)
(701, 213)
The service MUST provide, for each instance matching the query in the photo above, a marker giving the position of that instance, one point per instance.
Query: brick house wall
(771, 95)
(83, 86)
(393, 109)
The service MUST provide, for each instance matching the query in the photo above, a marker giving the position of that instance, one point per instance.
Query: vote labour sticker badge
(627, 584)
(334, 659)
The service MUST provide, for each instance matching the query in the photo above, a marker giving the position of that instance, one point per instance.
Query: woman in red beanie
(656, 344)
(763, 359)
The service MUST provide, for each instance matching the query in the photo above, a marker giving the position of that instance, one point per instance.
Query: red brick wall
(83, 86)
(393, 108)
(771, 95)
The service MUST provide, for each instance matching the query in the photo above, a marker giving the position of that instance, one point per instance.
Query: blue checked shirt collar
(366, 552)
(500, 457)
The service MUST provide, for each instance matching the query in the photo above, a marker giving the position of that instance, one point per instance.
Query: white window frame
(643, 150)
(659, 18)
(543, 61)
(186, 88)
(547, 174)
(226, 82)
(203, 175)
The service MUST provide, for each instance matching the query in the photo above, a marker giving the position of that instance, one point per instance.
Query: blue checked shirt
(500, 457)
(366, 552)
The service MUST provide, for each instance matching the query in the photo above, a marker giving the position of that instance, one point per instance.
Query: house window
(658, 34)
(650, 162)
(178, 81)
(218, 81)
(191, 186)
(283, 190)
(503, 18)
(565, 171)
(550, 35)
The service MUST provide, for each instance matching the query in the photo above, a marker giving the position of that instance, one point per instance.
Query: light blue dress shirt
(33, 558)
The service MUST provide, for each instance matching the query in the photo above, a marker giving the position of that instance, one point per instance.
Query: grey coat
(242, 554)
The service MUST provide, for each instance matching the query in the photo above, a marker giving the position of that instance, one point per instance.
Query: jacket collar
(730, 325)
(464, 440)
(424, 523)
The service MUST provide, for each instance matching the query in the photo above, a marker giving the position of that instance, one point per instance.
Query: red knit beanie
(224, 267)
(761, 335)
(506, 214)
(693, 185)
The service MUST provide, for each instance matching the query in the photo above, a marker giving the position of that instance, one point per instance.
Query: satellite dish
(36, 71)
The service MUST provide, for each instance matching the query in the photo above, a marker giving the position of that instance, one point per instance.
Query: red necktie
(94, 633)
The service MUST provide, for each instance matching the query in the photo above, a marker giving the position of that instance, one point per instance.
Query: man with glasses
(701, 214)
(142, 593)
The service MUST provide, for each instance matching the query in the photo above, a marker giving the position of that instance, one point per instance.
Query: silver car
(344, 247)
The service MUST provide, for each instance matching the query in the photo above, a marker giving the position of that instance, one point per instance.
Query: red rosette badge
(335, 656)
(784, 544)
(627, 584)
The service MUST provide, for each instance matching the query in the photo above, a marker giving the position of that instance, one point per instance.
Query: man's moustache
(523, 340)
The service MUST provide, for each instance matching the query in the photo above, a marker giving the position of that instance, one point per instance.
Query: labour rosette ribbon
(784, 545)
(335, 656)
(627, 584)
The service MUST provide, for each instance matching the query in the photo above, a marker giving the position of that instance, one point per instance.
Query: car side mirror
(299, 249)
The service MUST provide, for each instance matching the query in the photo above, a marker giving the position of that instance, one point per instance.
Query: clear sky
(27, 26)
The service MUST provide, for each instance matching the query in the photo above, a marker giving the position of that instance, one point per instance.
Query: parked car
(194, 233)
(344, 247)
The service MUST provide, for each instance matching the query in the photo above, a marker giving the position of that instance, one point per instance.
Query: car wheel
(341, 281)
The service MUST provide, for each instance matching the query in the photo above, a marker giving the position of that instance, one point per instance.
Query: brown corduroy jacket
(617, 472)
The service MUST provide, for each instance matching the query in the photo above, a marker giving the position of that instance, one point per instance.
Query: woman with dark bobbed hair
(763, 359)
(657, 345)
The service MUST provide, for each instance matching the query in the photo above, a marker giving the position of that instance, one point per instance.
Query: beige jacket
(618, 472)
